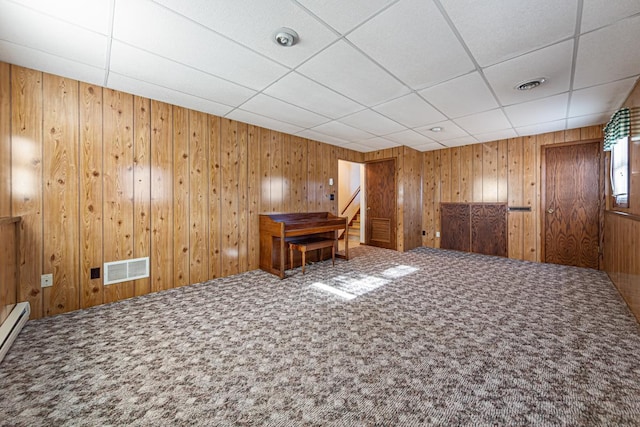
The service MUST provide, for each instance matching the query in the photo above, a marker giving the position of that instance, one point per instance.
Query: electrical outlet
(437, 234)
(46, 280)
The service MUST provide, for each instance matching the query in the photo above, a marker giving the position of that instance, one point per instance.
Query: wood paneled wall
(622, 228)
(100, 175)
(505, 171)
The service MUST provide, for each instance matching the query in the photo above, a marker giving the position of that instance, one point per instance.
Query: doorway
(571, 204)
(351, 199)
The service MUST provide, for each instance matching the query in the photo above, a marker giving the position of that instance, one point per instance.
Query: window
(620, 172)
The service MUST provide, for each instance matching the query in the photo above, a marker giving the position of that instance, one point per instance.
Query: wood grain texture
(91, 198)
(142, 187)
(162, 251)
(489, 229)
(230, 203)
(5, 140)
(9, 252)
(181, 178)
(253, 194)
(478, 177)
(412, 200)
(118, 186)
(428, 191)
(456, 174)
(456, 226)
(445, 176)
(215, 197)
(242, 189)
(26, 180)
(60, 195)
(198, 197)
(490, 172)
(466, 173)
(572, 202)
(381, 203)
(515, 177)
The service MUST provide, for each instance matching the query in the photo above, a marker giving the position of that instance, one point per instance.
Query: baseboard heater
(12, 326)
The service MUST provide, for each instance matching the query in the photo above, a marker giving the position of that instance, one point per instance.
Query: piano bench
(310, 245)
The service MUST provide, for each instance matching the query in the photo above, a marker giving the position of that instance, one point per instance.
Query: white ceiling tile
(320, 137)
(424, 35)
(262, 121)
(158, 93)
(191, 44)
(409, 138)
(538, 111)
(590, 120)
(487, 121)
(372, 122)
(449, 130)
(378, 143)
(343, 131)
(345, 70)
(598, 13)
(254, 24)
(341, 15)
(502, 29)
(542, 128)
(459, 142)
(162, 72)
(496, 135)
(37, 60)
(31, 29)
(280, 110)
(432, 146)
(552, 63)
(410, 110)
(604, 55)
(461, 96)
(93, 15)
(303, 92)
(598, 99)
(356, 146)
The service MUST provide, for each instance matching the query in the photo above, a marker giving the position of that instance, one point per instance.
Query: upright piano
(277, 230)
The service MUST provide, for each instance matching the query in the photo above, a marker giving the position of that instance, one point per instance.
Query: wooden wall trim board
(9, 272)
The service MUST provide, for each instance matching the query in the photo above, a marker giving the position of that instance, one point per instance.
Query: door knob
(550, 210)
(368, 208)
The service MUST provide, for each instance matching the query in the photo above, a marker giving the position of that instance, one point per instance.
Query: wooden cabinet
(474, 227)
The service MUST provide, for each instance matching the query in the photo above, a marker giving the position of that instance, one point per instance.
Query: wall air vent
(123, 271)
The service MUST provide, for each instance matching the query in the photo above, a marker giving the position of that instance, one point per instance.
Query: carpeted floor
(426, 337)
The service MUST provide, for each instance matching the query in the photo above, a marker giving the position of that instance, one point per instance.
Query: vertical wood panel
(198, 198)
(276, 163)
(215, 197)
(456, 174)
(287, 174)
(428, 192)
(490, 172)
(299, 170)
(253, 148)
(312, 183)
(91, 203)
(5, 139)
(514, 177)
(436, 197)
(503, 166)
(477, 172)
(242, 186)
(181, 196)
(26, 180)
(118, 186)
(265, 171)
(466, 173)
(60, 195)
(142, 187)
(162, 251)
(530, 193)
(445, 176)
(229, 197)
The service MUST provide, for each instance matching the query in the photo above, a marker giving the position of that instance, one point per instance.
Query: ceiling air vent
(123, 271)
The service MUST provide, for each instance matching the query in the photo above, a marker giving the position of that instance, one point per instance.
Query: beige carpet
(426, 337)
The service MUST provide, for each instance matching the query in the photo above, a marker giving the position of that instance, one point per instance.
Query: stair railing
(351, 209)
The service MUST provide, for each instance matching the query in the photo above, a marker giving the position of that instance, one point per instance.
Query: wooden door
(489, 229)
(455, 226)
(571, 205)
(380, 193)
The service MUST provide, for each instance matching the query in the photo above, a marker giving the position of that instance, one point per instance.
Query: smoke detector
(286, 37)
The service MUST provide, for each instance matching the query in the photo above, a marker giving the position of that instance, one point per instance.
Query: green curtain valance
(618, 127)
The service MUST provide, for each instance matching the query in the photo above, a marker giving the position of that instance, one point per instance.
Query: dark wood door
(572, 205)
(455, 223)
(489, 229)
(380, 194)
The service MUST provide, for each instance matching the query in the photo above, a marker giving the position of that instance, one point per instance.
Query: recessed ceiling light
(286, 37)
(530, 84)
(436, 129)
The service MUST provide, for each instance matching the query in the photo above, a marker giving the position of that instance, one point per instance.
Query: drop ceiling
(365, 74)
